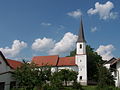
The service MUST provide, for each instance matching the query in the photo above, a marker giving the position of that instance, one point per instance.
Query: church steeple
(81, 57)
(81, 37)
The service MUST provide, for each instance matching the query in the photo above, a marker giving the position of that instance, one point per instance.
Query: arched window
(80, 46)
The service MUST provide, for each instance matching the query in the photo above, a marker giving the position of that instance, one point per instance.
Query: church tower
(81, 57)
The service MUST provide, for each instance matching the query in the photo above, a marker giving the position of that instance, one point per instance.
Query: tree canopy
(93, 59)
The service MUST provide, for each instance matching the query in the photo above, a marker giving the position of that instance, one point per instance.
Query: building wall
(118, 74)
(3, 66)
(82, 50)
(81, 61)
(74, 68)
(107, 66)
(6, 77)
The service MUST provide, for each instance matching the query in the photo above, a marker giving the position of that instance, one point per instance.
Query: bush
(77, 86)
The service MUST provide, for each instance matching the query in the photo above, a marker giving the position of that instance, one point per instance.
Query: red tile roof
(54, 61)
(66, 61)
(45, 60)
(14, 64)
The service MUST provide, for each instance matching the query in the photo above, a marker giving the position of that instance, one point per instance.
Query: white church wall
(74, 68)
(83, 48)
(53, 69)
(81, 61)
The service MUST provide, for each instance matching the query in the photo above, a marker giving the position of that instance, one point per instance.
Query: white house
(6, 67)
(114, 65)
(77, 63)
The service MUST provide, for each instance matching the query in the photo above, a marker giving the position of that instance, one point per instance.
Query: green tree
(62, 77)
(93, 59)
(29, 75)
(105, 79)
(68, 75)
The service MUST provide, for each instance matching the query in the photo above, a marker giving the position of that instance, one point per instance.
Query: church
(77, 63)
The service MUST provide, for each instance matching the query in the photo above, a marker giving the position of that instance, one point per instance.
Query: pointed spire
(81, 37)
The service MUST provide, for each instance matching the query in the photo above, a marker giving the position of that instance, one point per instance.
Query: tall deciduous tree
(93, 59)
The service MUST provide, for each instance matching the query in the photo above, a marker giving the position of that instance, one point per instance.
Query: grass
(89, 87)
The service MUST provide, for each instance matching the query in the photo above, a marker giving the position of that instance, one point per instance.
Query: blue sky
(46, 27)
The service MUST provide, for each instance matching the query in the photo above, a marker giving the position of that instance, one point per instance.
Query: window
(80, 77)
(80, 46)
(12, 84)
(2, 85)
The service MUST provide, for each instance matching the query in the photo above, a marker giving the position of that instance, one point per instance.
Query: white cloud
(106, 51)
(43, 44)
(75, 14)
(46, 24)
(66, 44)
(104, 10)
(17, 46)
(94, 29)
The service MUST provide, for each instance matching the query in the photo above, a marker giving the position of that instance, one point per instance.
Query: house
(114, 65)
(6, 68)
(77, 63)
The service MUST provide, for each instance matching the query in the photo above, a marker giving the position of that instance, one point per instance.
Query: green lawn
(94, 88)
(89, 87)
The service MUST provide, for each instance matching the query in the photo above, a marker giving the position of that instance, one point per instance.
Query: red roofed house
(77, 63)
(6, 67)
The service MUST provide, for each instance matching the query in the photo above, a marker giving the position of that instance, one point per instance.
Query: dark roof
(81, 37)
(54, 60)
(112, 61)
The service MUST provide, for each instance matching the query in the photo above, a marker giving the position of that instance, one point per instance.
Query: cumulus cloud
(94, 29)
(103, 10)
(17, 46)
(106, 51)
(66, 44)
(75, 14)
(43, 44)
(45, 24)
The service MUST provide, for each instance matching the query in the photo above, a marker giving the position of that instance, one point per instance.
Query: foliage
(77, 86)
(68, 75)
(105, 78)
(29, 75)
(56, 81)
(93, 59)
